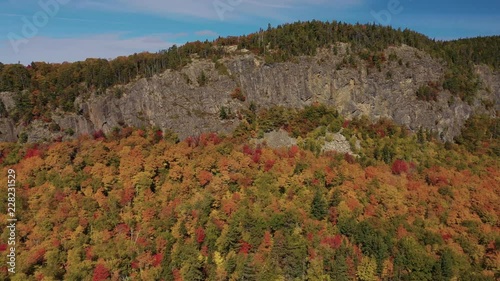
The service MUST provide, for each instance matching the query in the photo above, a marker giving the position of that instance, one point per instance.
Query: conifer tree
(319, 208)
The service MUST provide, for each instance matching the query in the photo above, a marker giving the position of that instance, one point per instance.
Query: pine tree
(223, 113)
(336, 198)
(319, 206)
(194, 270)
(443, 268)
(249, 272)
(340, 271)
(295, 255)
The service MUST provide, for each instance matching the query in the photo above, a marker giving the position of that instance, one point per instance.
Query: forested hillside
(43, 87)
(142, 205)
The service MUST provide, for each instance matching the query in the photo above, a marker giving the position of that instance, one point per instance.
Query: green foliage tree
(413, 260)
(294, 256)
(319, 207)
(367, 269)
(249, 270)
(202, 79)
(339, 269)
(193, 269)
(443, 268)
(3, 110)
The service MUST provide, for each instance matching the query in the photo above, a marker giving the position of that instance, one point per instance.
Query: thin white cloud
(74, 49)
(213, 9)
(11, 15)
(208, 33)
(89, 20)
(112, 45)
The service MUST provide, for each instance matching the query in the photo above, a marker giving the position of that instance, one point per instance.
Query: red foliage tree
(100, 273)
(204, 177)
(399, 166)
(293, 151)
(215, 138)
(247, 150)
(401, 232)
(193, 141)
(310, 236)
(349, 158)
(267, 239)
(200, 235)
(39, 276)
(122, 228)
(268, 165)
(255, 154)
(333, 242)
(97, 135)
(177, 275)
(32, 152)
(370, 172)
(256, 158)
(236, 197)
(219, 223)
(204, 251)
(228, 206)
(437, 177)
(312, 253)
(245, 247)
(37, 257)
(157, 136)
(157, 259)
(369, 210)
(209, 137)
(88, 253)
(59, 196)
(128, 194)
(353, 204)
(195, 214)
(446, 236)
(333, 215)
(141, 133)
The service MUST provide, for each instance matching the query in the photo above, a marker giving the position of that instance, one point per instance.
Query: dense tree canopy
(132, 206)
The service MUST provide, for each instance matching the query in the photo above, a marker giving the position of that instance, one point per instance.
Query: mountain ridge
(82, 92)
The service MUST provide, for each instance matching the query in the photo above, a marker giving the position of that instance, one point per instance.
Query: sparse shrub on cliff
(99, 134)
(428, 92)
(238, 94)
(202, 79)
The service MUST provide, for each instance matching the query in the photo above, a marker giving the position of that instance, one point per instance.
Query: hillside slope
(137, 205)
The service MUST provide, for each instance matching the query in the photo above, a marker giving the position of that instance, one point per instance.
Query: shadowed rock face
(174, 99)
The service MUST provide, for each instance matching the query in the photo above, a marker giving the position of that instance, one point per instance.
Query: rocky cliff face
(185, 103)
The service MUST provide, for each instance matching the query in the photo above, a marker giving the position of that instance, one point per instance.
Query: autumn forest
(143, 205)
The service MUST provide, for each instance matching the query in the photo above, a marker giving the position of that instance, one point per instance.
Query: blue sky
(70, 30)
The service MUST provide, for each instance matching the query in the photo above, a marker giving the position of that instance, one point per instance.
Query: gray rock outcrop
(175, 100)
